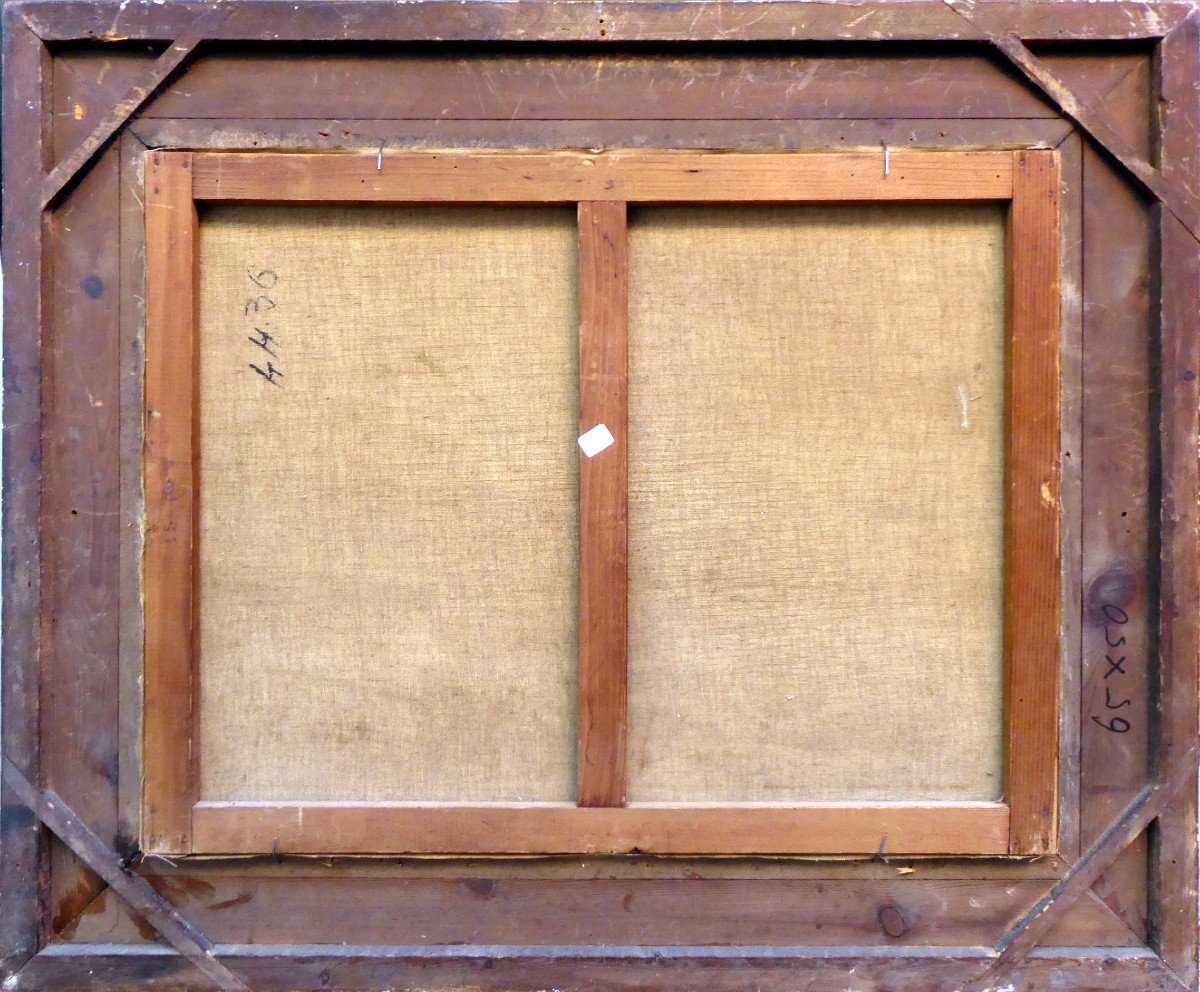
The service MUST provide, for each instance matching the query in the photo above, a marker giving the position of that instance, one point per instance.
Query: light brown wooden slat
(508, 177)
(169, 761)
(384, 828)
(567, 177)
(1031, 606)
(603, 514)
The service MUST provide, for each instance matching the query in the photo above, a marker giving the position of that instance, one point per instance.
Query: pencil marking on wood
(1115, 618)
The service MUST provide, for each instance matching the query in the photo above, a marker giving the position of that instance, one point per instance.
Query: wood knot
(481, 888)
(1111, 590)
(891, 921)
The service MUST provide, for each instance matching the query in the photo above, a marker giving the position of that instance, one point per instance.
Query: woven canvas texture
(816, 528)
(388, 554)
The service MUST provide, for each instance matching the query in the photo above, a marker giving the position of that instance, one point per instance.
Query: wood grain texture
(1114, 83)
(491, 85)
(392, 828)
(131, 633)
(80, 504)
(631, 20)
(483, 903)
(26, 156)
(603, 507)
(135, 890)
(172, 269)
(364, 135)
(1025, 935)
(87, 84)
(347, 869)
(841, 188)
(1179, 200)
(1031, 605)
(1118, 520)
(1174, 858)
(167, 64)
(1071, 493)
(289, 968)
(566, 177)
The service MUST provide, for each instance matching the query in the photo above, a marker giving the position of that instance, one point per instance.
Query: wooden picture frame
(177, 822)
(91, 87)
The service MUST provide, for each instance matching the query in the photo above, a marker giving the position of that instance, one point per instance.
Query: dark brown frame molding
(90, 86)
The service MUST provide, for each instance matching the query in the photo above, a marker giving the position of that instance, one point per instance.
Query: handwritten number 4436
(1118, 618)
(256, 308)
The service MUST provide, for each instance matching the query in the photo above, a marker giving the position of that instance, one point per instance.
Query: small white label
(596, 440)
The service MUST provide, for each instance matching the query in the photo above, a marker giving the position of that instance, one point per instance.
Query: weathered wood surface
(1176, 199)
(644, 867)
(231, 907)
(493, 969)
(136, 892)
(1173, 917)
(26, 154)
(1033, 927)
(87, 83)
(170, 756)
(1173, 931)
(131, 630)
(636, 20)
(1118, 519)
(67, 170)
(1116, 83)
(368, 135)
(1070, 467)
(488, 85)
(88, 80)
(80, 521)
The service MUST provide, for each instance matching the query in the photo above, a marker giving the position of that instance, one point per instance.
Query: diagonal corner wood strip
(1142, 810)
(1175, 198)
(176, 929)
(175, 58)
(1011, 949)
